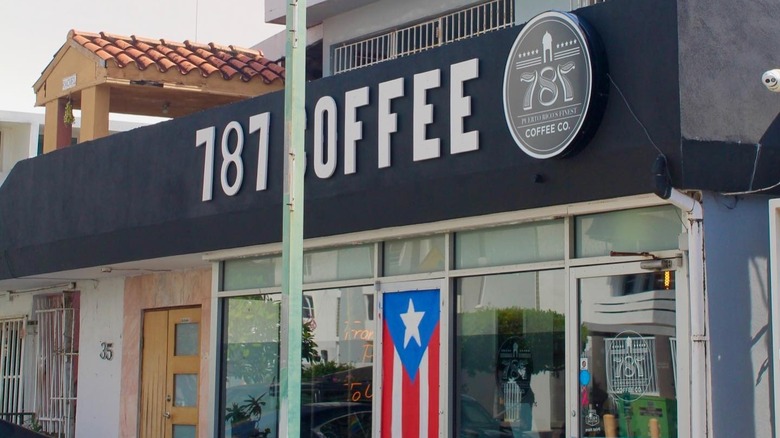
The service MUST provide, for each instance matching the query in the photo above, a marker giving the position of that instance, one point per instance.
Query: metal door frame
(572, 337)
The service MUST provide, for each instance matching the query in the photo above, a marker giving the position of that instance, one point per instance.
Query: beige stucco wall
(159, 291)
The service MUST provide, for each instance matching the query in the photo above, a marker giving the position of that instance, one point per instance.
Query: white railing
(466, 23)
(576, 4)
(12, 332)
(364, 53)
(477, 20)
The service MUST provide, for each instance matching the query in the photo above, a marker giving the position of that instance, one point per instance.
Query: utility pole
(292, 226)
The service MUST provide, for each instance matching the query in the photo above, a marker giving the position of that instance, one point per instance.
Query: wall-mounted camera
(771, 80)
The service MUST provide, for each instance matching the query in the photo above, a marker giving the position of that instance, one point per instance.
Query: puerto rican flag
(410, 364)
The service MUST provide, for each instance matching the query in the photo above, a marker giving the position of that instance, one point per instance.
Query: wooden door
(170, 373)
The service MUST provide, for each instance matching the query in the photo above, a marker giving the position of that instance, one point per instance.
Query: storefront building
(549, 230)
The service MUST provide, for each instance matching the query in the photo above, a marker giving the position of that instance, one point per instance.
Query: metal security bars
(12, 332)
(466, 23)
(57, 358)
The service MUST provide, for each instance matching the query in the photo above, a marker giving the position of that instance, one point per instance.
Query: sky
(32, 31)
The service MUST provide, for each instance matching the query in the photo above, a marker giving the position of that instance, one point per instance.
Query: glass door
(411, 364)
(623, 349)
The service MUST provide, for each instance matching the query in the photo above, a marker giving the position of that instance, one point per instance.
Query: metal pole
(292, 228)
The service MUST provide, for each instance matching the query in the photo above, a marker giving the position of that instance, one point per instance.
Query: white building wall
(275, 46)
(527, 9)
(19, 134)
(15, 304)
(736, 239)
(101, 316)
(14, 145)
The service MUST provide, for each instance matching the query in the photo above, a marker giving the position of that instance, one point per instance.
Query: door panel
(153, 363)
(624, 342)
(183, 367)
(170, 378)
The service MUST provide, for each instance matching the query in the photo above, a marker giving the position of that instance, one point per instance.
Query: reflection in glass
(183, 431)
(252, 273)
(186, 339)
(185, 389)
(249, 399)
(413, 256)
(627, 381)
(510, 352)
(345, 426)
(524, 243)
(638, 230)
(338, 264)
(338, 347)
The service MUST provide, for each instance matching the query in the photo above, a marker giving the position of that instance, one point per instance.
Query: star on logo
(411, 320)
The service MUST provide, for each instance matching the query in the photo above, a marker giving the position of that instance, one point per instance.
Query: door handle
(167, 414)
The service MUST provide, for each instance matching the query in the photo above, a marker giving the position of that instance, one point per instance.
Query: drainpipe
(698, 298)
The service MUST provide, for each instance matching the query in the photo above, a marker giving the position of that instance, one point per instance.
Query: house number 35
(108, 350)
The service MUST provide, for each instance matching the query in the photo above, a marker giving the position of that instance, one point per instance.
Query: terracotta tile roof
(187, 57)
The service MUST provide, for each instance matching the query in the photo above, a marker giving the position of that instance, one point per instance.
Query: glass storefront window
(338, 353)
(414, 256)
(510, 354)
(637, 230)
(249, 400)
(628, 346)
(252, 273)
(525, 243)
(338, 264)
(510, 336)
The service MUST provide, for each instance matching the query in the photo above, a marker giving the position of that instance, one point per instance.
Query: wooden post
(94, 112)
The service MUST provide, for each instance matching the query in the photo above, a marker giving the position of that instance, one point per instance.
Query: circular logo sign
(548, 85)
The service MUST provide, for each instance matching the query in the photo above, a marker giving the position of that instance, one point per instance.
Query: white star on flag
(411, 320)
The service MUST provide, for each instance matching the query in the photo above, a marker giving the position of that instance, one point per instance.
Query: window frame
(449, 274)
